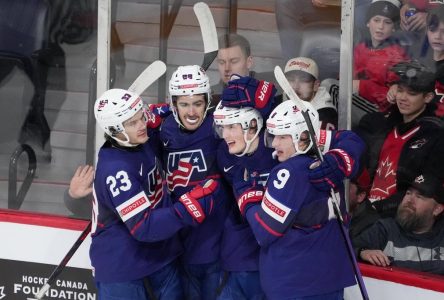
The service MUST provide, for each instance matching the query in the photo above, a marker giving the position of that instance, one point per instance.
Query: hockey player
(134, 239)
(189, 156)
(294, 215)
(241, 128)
(303, 75)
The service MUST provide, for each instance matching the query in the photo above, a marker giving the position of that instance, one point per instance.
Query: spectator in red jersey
(374, 57)
(406, 142)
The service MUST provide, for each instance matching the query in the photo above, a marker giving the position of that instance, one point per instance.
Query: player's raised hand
(330, 173)
(81, 183)
(248, 91)
(155, 113)
(195, 205)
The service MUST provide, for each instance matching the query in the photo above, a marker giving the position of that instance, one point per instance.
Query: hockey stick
(147, 77)
(64, 262)
(209, 33)
(286, 87)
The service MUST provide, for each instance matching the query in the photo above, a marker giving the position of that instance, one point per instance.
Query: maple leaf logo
(385, 168)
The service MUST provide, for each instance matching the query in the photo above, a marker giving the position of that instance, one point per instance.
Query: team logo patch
(133, 206)
(275, 209)
(418, 144)
(182, 165)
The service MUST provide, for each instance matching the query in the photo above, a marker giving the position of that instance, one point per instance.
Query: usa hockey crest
(184, 165)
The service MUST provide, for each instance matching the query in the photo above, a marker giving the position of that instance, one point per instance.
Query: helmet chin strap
(247, 143)
(124, 143)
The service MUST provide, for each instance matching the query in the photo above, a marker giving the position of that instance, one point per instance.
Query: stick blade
(207, 26)
(153, 72)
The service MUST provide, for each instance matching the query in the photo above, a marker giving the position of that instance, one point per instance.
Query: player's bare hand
(81, 183)
(375, 257)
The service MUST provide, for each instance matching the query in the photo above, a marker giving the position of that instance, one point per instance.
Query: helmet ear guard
(187, 81)
(113, 108)
(244, 116)
(287, 119)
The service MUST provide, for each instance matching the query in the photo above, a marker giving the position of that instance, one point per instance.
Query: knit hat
(429, 186)
(303, 64)
(385, 8)
(415, 75)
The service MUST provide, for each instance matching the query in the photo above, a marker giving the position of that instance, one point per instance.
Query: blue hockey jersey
(240, 251)
(297, 261)
(134, 226)
(189, 157)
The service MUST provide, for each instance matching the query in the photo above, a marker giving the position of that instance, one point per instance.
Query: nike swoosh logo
(166, 143)
(228, 169)
(141, 167)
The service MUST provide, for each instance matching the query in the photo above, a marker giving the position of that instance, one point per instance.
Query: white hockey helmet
(287, 119)
(187, 81)
(224, 115)
(114, 107)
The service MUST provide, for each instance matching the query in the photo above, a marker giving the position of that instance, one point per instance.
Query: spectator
(303, 75)
(374, 57)
(134, 232)
(408, 141)
(415, 237)
(78, 197)
(234, 57)
(189, 152)
(435, 39)
(282, 216)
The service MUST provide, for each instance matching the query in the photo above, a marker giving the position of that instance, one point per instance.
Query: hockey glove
(195, 205)
(247, 190)
(330, 173)
(155, 113)
(247, 91)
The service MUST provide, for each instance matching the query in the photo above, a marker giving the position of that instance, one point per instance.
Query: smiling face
(233, 135)
(233, 61)
(135, 128)
(191, 110)
(381, 28)
(411, 103)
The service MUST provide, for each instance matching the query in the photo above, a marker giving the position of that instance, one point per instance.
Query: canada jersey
(315, 261)
(240, 250)
(189, 157)
(128, 193)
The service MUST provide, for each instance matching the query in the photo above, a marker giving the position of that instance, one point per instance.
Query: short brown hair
(229, 40)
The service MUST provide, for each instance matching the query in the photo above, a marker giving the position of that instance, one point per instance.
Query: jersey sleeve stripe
(266, 227)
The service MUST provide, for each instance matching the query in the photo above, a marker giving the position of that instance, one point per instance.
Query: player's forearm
(155, 225)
